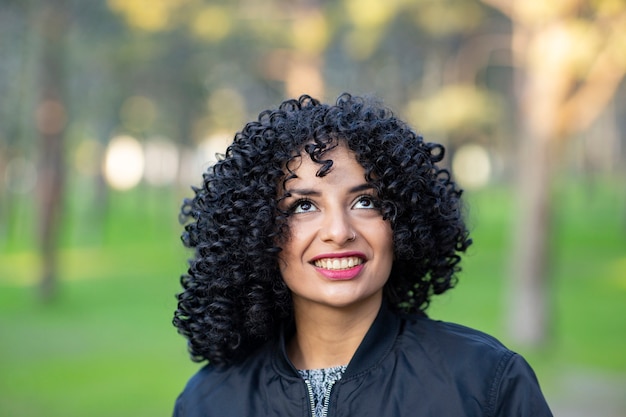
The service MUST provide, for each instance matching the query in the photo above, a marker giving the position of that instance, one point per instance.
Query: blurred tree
(51, 119)
(570, 57)
(199, 67)
(183, 51)
(16, 48)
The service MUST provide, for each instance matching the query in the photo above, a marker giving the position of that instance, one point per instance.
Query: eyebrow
(314, 193)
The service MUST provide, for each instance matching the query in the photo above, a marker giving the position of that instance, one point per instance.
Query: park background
(111, 110)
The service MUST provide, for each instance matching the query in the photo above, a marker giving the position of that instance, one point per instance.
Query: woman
(319, 238)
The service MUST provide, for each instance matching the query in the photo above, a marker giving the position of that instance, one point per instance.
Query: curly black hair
(233, 297)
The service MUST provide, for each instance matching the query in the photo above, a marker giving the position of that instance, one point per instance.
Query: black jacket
(405, 366)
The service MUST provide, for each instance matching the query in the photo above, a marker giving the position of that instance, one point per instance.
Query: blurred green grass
(106, 347)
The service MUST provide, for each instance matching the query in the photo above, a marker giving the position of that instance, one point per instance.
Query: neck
(329, 336)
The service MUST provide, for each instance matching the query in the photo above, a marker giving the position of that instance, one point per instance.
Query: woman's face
(339, 250)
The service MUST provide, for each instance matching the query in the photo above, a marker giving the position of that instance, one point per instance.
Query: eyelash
(298, 203)
(371, 199)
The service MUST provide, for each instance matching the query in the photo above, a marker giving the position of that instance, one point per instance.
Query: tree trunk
(540, 90)
(51, 120)
(530, 298)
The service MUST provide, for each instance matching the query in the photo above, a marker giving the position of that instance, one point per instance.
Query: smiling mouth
(337, 264)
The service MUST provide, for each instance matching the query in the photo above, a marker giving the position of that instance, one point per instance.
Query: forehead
(344, 167)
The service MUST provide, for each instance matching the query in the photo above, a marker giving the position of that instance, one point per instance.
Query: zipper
(312, 400)
(327, 399)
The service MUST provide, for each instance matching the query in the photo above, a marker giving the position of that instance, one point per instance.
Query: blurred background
(111, 110)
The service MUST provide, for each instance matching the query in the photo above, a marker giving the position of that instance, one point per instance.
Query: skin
(334, 218)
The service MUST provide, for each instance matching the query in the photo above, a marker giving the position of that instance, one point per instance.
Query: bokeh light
(471, 166)
(212, 23)
(124, 162)
(161, 161)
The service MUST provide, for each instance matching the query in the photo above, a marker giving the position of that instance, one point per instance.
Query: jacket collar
(375, 345)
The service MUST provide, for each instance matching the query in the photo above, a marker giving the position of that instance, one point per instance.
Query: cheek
(289, 272)
(288, 256)
(387, 246)
(294, 240)
(286, 242)
(284, 260)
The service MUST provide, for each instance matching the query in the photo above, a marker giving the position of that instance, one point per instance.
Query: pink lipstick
(339, 266)
(340, 274)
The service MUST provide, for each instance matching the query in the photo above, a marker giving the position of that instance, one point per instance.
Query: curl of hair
(233, 297)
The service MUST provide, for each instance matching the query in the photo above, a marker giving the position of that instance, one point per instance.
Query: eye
(366, 202)
(303, 206)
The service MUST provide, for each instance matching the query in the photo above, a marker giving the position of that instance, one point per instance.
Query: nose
(337, 227)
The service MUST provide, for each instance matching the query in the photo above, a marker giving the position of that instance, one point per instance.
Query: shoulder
(207, 379)
(470, 356)
(462, 350)
(199, 389)
(477, 362)
(449, 337)
(217, 387)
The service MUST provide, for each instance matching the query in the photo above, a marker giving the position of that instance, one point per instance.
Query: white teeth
(338, 263)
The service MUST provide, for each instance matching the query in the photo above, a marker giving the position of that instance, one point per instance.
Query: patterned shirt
(321, 381)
